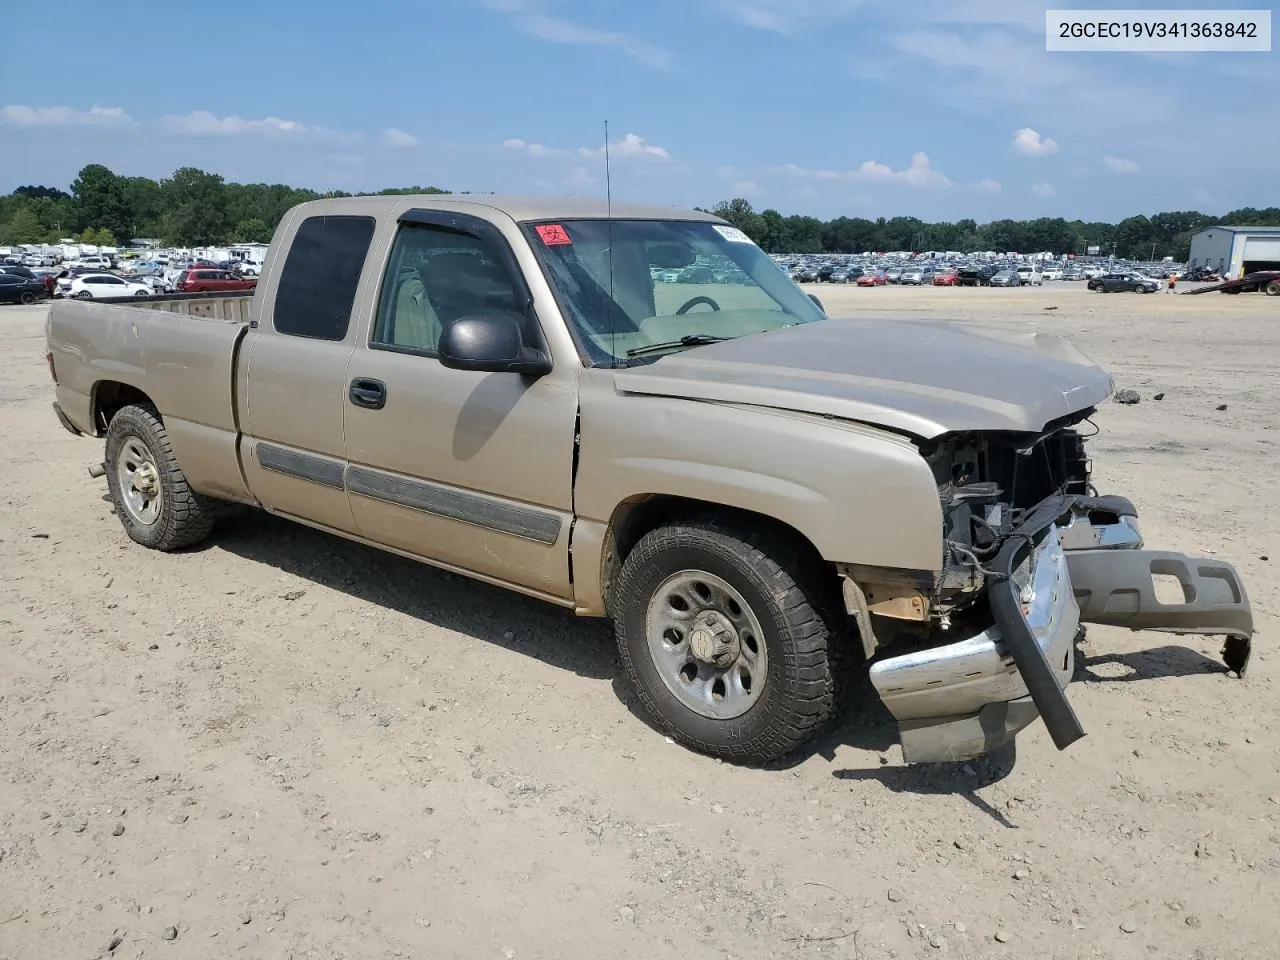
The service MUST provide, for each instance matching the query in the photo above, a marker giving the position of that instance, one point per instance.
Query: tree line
(188, 209)
(1139, 237)
(194, 208)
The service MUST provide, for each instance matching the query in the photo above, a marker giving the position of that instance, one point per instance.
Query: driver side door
(471, 470)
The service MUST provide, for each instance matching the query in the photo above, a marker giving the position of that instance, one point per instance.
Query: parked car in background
(1051, 272)
(1124, 283)
(19, 289)
(893, 274)
(45, 277)
(1007, 278)
(1072, 273)
(872, 278)
(946, 278)
(912, 276)
(970, 277)
(96, 286)
(206, 281)
(1030, 274)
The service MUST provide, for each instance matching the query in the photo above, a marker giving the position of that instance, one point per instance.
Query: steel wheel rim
(139, 481)
(707, 644)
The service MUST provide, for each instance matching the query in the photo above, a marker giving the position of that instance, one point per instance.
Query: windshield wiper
(688, 340)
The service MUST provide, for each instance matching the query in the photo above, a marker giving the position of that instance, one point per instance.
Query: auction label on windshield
(732, 234)
(1158, 31)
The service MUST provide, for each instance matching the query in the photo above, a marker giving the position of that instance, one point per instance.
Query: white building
(1236, 250)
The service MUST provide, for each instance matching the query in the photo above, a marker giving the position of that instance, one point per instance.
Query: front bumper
(1071, 560)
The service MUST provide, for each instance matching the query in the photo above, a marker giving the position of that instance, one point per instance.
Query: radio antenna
(608, 219)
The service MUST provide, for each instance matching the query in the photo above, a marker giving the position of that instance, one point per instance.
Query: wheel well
(110, 397)
(634, 518)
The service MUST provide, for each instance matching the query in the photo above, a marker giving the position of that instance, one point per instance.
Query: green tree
(253, 230)
(22, 227)
(100, 200)
(196, 207)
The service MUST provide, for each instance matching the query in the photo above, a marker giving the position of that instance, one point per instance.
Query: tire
(1273, 288)
(28, 298)
(174, 516)
(84, 295)
(779, 590)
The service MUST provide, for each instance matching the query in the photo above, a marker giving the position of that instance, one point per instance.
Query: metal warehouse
(1237, 250)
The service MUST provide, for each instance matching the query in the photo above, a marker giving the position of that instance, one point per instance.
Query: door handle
(371, 394)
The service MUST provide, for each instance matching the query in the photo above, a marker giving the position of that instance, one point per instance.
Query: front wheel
(729, 639)
(153, 500)
(1273, 288)
(84, 295)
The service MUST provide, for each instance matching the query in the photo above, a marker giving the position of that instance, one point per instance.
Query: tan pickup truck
(635, 413)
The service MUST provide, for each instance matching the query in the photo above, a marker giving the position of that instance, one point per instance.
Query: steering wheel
(690, 304)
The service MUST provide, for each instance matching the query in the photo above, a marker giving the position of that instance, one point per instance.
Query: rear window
(318, 282)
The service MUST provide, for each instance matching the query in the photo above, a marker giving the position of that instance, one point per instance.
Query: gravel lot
(284, 745)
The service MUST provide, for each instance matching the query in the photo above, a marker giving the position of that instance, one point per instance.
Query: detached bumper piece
(1117, 588)
(1072, 560)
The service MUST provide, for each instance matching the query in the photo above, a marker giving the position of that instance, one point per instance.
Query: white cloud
(1029, 142)
(1120, 165)
(790, 17)
(1043, 189)
(22, 116)
(746, 188)
(529, 18)
(395, 137)
(918, 174)
(202, 123)
(631, 145)
(988, 185)
(578, 181)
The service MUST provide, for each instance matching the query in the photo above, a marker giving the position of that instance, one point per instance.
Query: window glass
(318, 282)
(632, 289)
(434, 277)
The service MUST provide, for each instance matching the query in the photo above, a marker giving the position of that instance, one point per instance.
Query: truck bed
(179, 352)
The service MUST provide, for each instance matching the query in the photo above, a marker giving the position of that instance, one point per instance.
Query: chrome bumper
(963, 699)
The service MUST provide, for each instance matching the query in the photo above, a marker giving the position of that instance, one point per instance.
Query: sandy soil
(284, 745)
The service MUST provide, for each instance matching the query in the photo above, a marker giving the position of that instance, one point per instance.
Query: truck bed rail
(231, 306)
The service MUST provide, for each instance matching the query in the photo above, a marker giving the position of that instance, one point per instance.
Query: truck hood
(920, 378)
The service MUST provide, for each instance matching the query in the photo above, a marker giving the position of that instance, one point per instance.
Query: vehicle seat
(415, 322)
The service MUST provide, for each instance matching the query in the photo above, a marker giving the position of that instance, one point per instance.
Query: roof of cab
(517, 208)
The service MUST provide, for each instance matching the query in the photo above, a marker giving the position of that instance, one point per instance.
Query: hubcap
(139, 481)
(707, 644)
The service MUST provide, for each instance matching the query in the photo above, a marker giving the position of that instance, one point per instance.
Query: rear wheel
(28, 297)
(156, 506)
(1273, 288)
(730, 638)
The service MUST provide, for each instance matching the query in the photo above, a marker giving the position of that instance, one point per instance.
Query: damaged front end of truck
(1030, 553)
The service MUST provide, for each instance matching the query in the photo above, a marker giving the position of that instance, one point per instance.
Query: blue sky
(939, 109)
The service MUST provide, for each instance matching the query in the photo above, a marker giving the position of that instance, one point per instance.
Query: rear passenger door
(294, 371)
(473, 470)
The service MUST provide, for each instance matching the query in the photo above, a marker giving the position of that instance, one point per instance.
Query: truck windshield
(626, 285)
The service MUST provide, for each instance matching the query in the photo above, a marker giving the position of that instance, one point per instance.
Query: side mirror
(490, 344)
(815, 299)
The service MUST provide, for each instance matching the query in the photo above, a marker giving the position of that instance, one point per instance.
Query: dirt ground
(284, 745)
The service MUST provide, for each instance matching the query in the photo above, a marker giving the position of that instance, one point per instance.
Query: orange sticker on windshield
(552, 234)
